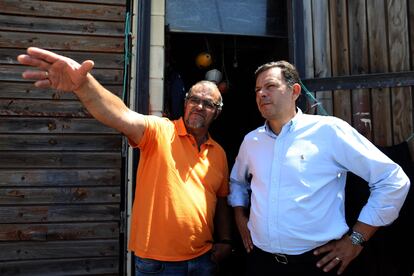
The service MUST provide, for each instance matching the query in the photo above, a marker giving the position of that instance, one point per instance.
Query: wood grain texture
(57, 41)
(361, 110)
(322, 50)
(61, 172)
(58, 231)
(59, 249)
(59, 177)
(378, 57)
(105, 76)
(90, 143)
(52, 125)
(308, 32)
(101, 60)
(67, 266)
(398, 42)
(67, 26)
(340, 57)
(41, 108)
(80, 10)
(59, 213)
(61, 195)
(26, 90)
(67, 160)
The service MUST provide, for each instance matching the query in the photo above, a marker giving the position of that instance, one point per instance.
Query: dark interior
(236, 57)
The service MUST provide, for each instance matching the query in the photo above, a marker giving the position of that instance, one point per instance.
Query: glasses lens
(206, 103)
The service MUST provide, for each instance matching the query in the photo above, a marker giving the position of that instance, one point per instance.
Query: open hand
(55, 71)
(337, 254)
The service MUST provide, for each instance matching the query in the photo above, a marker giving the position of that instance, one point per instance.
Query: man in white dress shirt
(291, 173)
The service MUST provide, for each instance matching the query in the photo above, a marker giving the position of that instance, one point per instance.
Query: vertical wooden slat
(308, 32)
(308, 46)
(340, 57)
(322, 49)
(399, 61)
(377, 40)
(361, 111)
(411, 35)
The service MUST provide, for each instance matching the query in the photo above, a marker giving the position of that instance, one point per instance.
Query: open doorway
(236, 57)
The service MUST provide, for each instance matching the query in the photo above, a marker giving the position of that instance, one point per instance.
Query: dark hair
(289, 71)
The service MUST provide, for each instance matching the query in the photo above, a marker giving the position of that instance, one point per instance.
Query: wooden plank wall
(363, 37)
(60, 170)
(368, 37)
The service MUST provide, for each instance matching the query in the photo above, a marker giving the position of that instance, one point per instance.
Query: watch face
(357, 238)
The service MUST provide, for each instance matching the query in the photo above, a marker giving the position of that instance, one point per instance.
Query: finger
(331, 264)
(43, 54)
(248, 244)
(34, 62)
(86, 67)
(323, 249)
(342, 267)
(327, 259)
(35, 75)
(42, 83)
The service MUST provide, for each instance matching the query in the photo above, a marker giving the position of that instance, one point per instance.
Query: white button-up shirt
(297, 182)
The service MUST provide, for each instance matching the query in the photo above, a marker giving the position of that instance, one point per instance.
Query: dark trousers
(263, 263)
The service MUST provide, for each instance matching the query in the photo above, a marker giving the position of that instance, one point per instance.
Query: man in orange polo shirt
(182, 178)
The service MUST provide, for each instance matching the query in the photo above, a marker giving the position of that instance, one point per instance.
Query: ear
(296, 88)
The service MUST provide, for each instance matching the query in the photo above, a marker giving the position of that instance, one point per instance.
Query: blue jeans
(200, 266)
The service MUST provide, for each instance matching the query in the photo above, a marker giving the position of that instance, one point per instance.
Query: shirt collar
(290, 126)
(180, 127)
(182, 131)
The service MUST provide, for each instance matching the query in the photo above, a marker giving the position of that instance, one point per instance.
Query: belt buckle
(281, 258)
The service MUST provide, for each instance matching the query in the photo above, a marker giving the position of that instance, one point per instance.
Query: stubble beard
(195, 123)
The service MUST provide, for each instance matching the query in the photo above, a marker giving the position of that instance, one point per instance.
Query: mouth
(198, 114)
(262, 104)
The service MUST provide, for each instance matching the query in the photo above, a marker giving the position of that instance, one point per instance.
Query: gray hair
(211, 85)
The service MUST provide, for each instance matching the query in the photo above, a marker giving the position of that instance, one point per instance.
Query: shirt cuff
(239, 195)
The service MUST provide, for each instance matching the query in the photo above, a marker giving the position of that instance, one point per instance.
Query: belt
(288, 259)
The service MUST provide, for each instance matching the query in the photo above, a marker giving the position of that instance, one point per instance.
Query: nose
(261, 92)
(199, 106)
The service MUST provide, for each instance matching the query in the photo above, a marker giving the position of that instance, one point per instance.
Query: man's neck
(277, 124)
(200, 135)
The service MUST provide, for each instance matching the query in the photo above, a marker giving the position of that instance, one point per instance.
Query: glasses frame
(207, 104)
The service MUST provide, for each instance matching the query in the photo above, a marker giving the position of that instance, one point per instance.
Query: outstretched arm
(62, 73)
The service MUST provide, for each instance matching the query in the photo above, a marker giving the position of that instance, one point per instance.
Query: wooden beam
(381, 80)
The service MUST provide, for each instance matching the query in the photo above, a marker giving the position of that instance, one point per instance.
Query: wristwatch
(357, 238)
(226, 241)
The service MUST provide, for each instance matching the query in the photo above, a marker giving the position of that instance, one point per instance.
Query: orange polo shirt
(176, 192)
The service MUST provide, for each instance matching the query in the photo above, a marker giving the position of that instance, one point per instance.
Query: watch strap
(356, 238)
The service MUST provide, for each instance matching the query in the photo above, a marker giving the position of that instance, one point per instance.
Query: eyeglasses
(207, 104)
